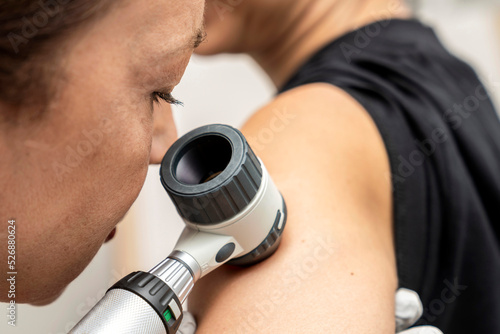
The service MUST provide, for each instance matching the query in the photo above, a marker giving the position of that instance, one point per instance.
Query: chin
(48, 300)
(41, 299)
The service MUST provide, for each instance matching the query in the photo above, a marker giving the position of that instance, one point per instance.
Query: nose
(164, 132)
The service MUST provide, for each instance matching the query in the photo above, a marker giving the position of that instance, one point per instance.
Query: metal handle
(120, 311)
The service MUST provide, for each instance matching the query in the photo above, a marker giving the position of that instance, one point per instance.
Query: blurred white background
(227, 89)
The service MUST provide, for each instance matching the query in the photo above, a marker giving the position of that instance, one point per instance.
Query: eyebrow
(198, 38)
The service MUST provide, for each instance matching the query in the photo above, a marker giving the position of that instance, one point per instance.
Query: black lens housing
(211, 174)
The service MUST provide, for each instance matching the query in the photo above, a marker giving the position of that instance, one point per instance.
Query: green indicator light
(167, 315)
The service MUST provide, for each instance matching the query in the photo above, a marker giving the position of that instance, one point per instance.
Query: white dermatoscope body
(233, 213)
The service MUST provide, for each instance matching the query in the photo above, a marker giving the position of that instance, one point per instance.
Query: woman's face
(69, 178)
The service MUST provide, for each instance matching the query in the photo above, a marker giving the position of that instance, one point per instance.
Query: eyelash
(167, 97)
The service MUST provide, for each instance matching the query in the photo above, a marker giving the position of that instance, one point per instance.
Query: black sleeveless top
(442, 135)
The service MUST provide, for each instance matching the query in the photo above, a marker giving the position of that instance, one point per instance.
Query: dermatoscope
(233, 213)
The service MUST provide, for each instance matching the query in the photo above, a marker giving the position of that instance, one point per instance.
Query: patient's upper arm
(335, 270)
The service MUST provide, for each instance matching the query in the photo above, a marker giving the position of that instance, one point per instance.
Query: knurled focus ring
(211, 174)
(154, 291)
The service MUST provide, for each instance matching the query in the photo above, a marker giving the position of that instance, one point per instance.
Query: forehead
(168, 24)
(157, 35)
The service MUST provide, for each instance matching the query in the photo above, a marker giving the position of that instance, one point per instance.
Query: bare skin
(281, 35)
(69, 178)
(335, 271)
(336, 263)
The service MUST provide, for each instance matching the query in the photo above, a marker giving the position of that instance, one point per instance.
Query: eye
(167, 97)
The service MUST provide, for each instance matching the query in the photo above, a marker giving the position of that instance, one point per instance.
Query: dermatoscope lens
(202, 159)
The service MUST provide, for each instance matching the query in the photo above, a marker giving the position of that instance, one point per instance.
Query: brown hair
(32, 35)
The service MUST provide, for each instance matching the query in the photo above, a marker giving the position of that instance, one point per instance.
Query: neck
(312, 24)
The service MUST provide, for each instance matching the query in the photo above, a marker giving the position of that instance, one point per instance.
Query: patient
(387, 150)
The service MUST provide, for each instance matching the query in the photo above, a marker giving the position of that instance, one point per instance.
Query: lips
(110, 235)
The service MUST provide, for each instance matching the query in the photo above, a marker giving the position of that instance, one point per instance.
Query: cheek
(103, 161)
(89, 182)
(129, 141)
(164, 133)
(124, 158)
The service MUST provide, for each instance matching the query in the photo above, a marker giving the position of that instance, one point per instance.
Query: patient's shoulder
(336, 262)
(322, 130)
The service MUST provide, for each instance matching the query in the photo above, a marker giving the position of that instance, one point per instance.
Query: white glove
(422, 330)
(188, 324)
(408, 310)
